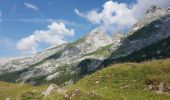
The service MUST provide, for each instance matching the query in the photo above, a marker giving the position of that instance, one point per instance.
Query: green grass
(38, 63)
(116, 82)
(101, 51)
(69, 45)
(126, 81)
(55, 55)
(16, 92)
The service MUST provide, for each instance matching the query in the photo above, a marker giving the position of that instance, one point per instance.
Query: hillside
(158, 50)
(70, 50)
(50, 65)
(120, 81)
(15, 91)
(153, 27)
(69, 62)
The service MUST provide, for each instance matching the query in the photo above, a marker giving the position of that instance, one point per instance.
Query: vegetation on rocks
(146, 31)
(101, 51)
(159, 50)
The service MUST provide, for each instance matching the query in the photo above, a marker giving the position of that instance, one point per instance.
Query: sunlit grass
(10, 90)
(116, 82)
(126, 81)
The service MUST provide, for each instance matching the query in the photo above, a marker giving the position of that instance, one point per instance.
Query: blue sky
(21, 19)
(14, 10)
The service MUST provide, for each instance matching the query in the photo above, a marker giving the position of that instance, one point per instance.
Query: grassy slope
(101, 51)
(117, 82)
(25, 92)
(16, 91)
(125, 81)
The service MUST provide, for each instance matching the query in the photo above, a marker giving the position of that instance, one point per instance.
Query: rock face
(15, 64)
(117, 39)
(153, 13)
(54, 62)
(149, 30)
(65, 64)
(156, 86)
(94, 40)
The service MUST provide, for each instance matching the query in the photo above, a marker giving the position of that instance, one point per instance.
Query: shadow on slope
(159, 50)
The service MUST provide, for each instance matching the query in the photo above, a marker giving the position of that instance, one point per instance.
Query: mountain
(150, 29)
(67, 63)
(149, 32)
(55, 62)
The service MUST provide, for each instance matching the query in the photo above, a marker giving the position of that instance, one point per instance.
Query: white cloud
(79, 13)
(31, 6)
(55, 35)
(141, 6)
(120, 16)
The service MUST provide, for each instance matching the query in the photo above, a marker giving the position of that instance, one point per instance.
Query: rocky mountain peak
(152, 14)
(153, 8)
(98, 35)
(97, 31)
(95, 39)
(79, 57)
(119, 35)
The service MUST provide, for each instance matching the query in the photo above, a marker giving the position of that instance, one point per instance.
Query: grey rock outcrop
(52, 62)
(149, 30)
(63, 64)
(153, 13)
